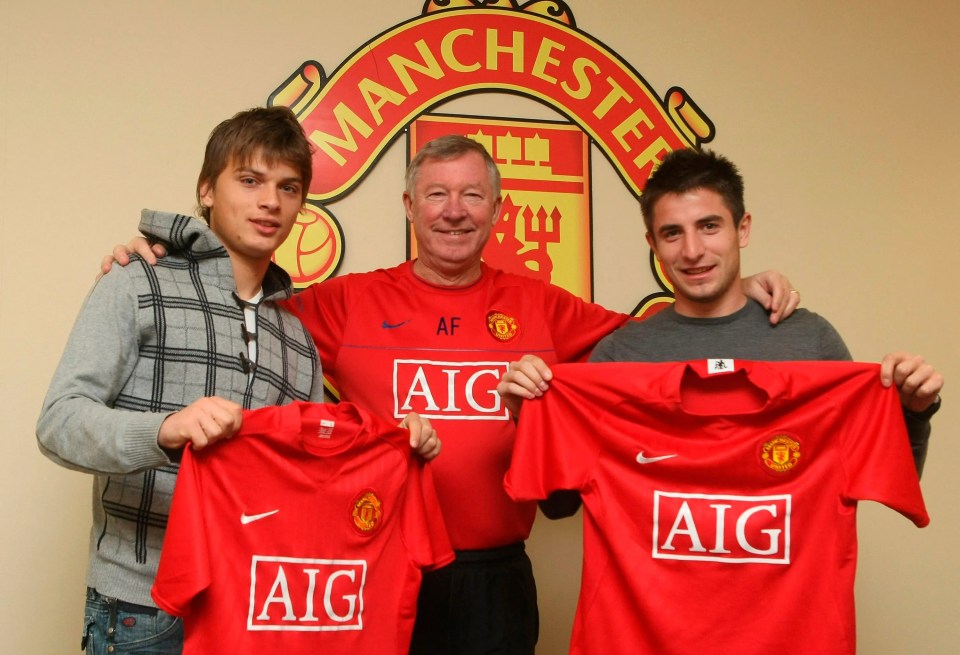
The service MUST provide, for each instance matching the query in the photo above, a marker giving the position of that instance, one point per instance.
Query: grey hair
(445, 148)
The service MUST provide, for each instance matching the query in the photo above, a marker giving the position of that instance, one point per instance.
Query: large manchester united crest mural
(392, 85)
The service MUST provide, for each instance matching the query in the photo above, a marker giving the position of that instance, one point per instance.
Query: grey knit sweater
(150, 340)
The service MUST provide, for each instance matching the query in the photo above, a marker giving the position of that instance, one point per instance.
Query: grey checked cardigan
(149, 341)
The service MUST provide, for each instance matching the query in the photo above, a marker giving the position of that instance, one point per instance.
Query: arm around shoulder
(577, 325)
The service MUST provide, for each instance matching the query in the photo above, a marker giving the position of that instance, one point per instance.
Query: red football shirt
(719, 508)
(305, 533)
(393, 344)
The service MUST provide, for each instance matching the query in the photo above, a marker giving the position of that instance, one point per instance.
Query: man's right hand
(202, 422)
(137, 246)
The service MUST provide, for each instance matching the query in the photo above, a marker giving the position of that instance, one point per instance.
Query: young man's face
(452, 210)
(694, 237)
(253, 206)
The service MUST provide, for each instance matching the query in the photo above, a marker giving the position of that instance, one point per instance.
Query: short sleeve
(554, 448)
(876, 455)
(184, 570)
(577, 325)
(425, 532)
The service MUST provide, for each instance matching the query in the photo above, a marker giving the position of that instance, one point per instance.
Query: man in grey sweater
(696, 222)
(162, 356)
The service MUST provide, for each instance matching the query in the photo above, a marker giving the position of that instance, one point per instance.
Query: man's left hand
(918, 382)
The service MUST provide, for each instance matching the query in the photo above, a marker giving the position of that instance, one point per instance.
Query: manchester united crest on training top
(502, 326)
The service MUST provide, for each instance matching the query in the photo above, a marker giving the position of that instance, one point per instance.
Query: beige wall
(841, 116)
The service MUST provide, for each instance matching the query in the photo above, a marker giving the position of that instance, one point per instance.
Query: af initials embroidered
(250, 518)
(641, 459)
(502, 327)
(289, 593)
(367, 512)
(781, 453)
(721, 528)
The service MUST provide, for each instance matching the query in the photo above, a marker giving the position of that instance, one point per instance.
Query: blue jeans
(112, 627)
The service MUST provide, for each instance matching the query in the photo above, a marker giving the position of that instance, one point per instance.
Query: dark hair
(269, 132)
(445, 148)
(686, 170)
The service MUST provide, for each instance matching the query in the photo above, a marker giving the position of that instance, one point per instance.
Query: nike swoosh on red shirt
(250, 518)
(641, 459)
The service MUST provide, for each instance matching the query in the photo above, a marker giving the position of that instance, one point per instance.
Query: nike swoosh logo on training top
(391, 326)
(244, 518)
(650, 460)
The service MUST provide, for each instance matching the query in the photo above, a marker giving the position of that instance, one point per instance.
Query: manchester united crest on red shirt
(502, 326)
(367, 512)
(781, 453)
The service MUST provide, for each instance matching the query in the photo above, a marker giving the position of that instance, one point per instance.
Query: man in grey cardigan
(161, 356)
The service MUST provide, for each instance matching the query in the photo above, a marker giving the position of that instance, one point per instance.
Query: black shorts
(485, 603)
